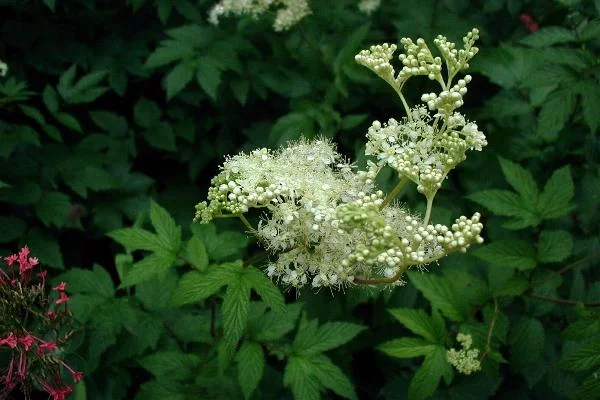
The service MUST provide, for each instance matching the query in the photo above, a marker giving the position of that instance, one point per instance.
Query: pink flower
(61, 287)
(11, 259)
(51, 314)
(10, 341)
(62, 298)
(26, 341)
(42, 275)
(47, 347)
(529, 23)
(77, 376)
(57, 393)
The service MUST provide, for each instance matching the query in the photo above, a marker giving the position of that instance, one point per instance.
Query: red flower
(47, 347)
(26, 341)
(10, 341)
(51, 314)
(62, 298)
(61, 287)
(57, 393)
(77, 376)
(11, 259)
(42, 275)
(529, 23)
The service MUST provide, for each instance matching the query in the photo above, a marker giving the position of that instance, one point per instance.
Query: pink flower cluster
(33, 360)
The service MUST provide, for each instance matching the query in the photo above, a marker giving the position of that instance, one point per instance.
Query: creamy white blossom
(287, 12)
(368, 6)
(324, 221)
(465, 360)
(3, 68)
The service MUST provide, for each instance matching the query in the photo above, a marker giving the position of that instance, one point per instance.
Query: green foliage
(95, 123)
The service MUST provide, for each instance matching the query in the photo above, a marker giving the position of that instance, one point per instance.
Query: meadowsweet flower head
(287, 12)
(368, 6)
(325, 222)
(32, 329)
(465, 360)
(3, 68)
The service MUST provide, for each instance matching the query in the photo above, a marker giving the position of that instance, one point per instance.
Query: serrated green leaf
(555, 199)
(265, 288)
(165, 226)
(407, 347)
(501, 202)
(299, 377)
(527, 342)
(33, 113)
(50, 98)
(137, 239)
(196, 253)
(53, 132)
(590, 104)
(554, 246)
(209, 76)
(250, 360)
(236, 304)
(195, 286)
(418, 322)
(146, 113)
(96, 281)
(175, 365)
(149, 267)
(53, 209)
(555, 113)
(177, 79)
(328, 336)
(511, 287)
(272, 326)
(517, 254)
(521, 180)
(69, 121)
(169, 51)
(427, 378)
(98, 179)
(332, 377)
(161, 136)
(585, 357)
(45, 247)
(109, 121)
(549, 36)
(441, 294)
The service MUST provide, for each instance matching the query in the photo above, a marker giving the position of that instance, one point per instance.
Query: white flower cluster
(3, 68)
(368, 6)
(287, 12)
(465, 360)
(419, 151)
(325, 222)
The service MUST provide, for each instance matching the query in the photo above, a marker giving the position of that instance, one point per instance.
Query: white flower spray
(3, 68)
(325, 222)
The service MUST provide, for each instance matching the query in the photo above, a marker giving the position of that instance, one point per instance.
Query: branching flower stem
(488, 342)
(428, 212)
(394, 193)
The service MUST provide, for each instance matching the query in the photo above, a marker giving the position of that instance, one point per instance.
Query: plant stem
(428, 212)
(488, 343)
(395, 191)
(256, 258)
(564, 301)
(246, 223)
(565, 269)
(379, 281)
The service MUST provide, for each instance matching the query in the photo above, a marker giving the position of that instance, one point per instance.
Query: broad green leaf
(69, 121)
(265, 288)
(555, 200)
(138, 239)
(527, 342)
(520, 179)
(98, 179)
(174, 365)
(511, 287)
(51, 4)
(236, 303)
(156, 293)
(163, 8)
(555, 113)
(272, 326)
(442, 295)
(517, 254)
(418, 322)
(586, 357)
(407, 347)
(195, 286)
(53, 132)
(590, 103)
(332, 377)
(110, 122)
(328, 336)
(33, 113)
(169, 51)
(11, 228)
(165, 226)
(427, 378)
(146, 113)
(53, 209)
(250, 360)
(177, 79)
(209, 76)
(161, 136)
(554, 246)
(299, 377)
(149, 267)
(549, 36)
(44, 246)
(590, 387)
(501, 202)
(196, 253)
(96, 281)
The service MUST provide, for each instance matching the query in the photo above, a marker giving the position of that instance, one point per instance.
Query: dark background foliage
(109, 104)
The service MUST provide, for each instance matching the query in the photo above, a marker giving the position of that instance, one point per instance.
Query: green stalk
(392, 195)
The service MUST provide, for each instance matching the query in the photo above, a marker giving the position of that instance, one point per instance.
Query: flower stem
(428, 212)
(392, 195)
(488, 343)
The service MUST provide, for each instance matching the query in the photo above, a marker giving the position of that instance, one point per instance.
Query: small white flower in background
(368, 6)
(465, 360)
(325, 222)
(287, 12)
(3, 68)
